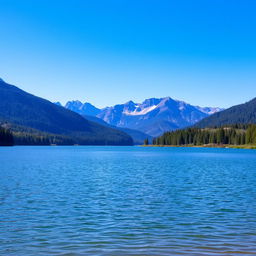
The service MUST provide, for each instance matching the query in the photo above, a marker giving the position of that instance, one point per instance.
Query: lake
(127, 201)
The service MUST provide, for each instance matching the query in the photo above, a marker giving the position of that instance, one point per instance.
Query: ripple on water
(127, 201)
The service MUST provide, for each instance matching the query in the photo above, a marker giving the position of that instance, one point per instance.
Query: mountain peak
(210, 110)
(74, 103)
(153, 116)
(130, 103)
(82, 108)
(58, 103)
(151, 102)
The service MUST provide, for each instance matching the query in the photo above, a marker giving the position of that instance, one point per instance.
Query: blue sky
(108, 52)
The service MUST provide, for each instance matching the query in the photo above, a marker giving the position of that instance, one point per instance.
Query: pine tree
(146, 141)
(6, 137)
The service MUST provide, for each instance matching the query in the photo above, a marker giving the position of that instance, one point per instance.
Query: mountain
(153, 116)
(208, 110)
(89, 112)
(57, 103)
(26, 113)
(137, 136)
(239, 114)
(82, 109)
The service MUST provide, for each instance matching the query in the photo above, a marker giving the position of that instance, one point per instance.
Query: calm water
(127, 201)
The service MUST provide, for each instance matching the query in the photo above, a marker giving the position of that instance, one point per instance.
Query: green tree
(6, 137)
(146, 141)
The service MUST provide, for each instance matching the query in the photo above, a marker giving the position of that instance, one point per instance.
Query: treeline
(251, 134)
(39, 139)
(6, 137)
(9, 138)
(20, 136)
(233, 135)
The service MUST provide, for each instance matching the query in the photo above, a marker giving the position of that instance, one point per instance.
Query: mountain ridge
(25, 112)
(137, 136)
(153, 116)
(239, 114)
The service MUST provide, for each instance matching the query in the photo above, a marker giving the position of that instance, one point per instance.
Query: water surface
(127, 201)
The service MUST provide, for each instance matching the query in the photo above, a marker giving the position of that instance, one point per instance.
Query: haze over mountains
(153, 116)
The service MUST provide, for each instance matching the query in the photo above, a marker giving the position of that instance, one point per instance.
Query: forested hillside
(239, 114)
(30, 116)
(233, 135)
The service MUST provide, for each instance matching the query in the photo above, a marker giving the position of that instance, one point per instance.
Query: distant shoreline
(246, 146)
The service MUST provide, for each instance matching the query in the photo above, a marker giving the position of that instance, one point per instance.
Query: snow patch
(181, 105)
(209, 110)
(139, 113)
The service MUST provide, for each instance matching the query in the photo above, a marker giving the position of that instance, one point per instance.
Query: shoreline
(246, 146)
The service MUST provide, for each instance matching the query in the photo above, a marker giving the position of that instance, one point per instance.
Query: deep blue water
(127, 201)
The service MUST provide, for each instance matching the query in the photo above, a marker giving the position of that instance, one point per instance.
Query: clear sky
(108, 52)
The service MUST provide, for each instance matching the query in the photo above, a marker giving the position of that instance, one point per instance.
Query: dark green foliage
(23, 138)
(146, 141)
(24, 112)
(239, 114)
(251, 135)
(196, 136)
(6, 137)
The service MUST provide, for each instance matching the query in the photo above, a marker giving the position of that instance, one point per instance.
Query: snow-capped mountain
(209, 111)
(152, 116)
